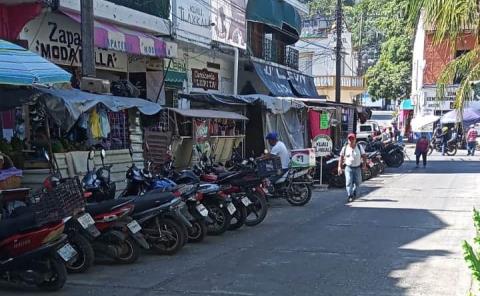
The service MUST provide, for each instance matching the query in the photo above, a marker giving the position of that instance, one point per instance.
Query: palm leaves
(450, 19)
(470, 255)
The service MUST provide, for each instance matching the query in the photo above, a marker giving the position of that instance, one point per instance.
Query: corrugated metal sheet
(204, 113)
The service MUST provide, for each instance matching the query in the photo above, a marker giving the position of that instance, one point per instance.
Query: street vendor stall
(68, 122)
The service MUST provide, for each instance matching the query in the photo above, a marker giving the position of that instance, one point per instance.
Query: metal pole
(321, 171)
(235, 73)
(338, 53)
(88, 45)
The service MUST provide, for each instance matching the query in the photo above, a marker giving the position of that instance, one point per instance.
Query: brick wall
(438, 55)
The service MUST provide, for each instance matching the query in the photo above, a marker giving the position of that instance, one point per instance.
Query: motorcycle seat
(17, 224)
(224, 175)
(151, 200)
(106, 206)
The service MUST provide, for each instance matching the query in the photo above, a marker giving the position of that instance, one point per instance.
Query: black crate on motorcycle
(46, 208)
(69, 194)
(270, 166)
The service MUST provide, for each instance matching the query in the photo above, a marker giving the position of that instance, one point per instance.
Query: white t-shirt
(352, 156)
(281, 151)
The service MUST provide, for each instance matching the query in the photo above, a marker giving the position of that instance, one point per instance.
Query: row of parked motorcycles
(379, 156)
(70, 224)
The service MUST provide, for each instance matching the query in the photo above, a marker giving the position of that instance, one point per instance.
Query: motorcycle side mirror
(45, 154)
(103, 153)
(130, 151)
(265, 151)
(91, 154)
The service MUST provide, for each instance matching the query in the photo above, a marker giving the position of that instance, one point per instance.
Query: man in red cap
(352, 156)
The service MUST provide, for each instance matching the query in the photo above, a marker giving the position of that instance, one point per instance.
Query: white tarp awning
(424, 123)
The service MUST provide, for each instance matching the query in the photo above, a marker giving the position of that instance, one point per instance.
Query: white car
(369, 128)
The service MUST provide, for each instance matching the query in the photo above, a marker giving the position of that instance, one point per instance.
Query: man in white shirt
(352, 156)
(279, 149)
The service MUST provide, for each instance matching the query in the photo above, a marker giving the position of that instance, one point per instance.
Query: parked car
(369, 128)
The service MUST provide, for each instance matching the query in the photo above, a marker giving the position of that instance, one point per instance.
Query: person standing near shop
(471, 140)
(353, 157)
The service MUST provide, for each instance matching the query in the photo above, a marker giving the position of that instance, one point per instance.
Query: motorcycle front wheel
(129, 251)
(452, 150)
(238, 218)
(299, 194)
(197, 232)
(56, 277)
(221, 219)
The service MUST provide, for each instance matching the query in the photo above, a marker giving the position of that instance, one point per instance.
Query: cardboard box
(303, 158)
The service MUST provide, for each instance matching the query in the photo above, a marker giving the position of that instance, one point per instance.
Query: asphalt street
(402, 237)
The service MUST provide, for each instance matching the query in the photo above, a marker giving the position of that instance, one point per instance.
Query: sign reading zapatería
(202, 78)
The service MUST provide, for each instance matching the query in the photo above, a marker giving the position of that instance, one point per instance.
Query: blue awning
(274, 78)
(19, 66)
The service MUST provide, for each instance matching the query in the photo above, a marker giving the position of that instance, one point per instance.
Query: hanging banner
(230, 24)
(324, 120)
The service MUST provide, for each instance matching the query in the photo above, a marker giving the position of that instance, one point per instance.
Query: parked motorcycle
(393, 154)
(33, 248)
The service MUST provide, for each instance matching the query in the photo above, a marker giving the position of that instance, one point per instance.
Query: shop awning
(213, 99)
(406, 105)
(303, 85)
(66, 105)
(19, 66)
(204, 113)
(469, 116)
(175, 78)
(275, 13)
(274, 78)
(276, 105)
(113, 37)
(422, 123)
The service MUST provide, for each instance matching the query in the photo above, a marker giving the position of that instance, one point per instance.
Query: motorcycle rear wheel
(168, 228)
(220, 217)
(197, 232)
(238, 218)
(257, 211)
(57, 278)
(304, 193)
(452, 151)
(85, 257)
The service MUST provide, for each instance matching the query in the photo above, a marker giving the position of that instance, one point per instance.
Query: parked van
(369, 128)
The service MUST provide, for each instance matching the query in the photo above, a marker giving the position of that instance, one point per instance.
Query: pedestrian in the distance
(421, 149)
(472, 140)
(352, 156)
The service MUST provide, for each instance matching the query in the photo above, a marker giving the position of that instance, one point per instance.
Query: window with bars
(119, 136)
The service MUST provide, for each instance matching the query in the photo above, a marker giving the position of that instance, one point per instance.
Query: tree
(389, 78)
(449, 19)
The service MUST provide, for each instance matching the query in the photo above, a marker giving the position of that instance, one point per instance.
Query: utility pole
(338, 52)
(360, 63)
(88, 45)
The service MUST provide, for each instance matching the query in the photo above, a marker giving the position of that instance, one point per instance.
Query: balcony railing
(277, 52)
(345, 81)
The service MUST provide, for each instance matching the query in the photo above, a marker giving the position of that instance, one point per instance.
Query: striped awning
(19, 66)
(113, 37)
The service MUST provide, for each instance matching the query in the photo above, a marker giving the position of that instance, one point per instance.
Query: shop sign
(202, 78)
(177, 65)
(193, 21)
(230, 24)
(324, 120)
(323, 145)
(57, 38)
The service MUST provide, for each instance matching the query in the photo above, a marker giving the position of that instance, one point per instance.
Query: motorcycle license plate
(134, 227)
(231, 208)
(202, 210)
(246, 201)
(67, 252)
(371, 164)
(86, 221)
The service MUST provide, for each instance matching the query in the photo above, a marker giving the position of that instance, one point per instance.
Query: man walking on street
(471, 140)
(421, 149)
(353, 157)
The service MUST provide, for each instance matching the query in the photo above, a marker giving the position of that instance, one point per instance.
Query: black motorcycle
(437, 146)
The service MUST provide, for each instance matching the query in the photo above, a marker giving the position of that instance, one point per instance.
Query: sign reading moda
(323, 145)
(202, 78)
(57, 38)
(230, 23)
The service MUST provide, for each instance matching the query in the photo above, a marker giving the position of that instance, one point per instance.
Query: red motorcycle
(33, 247)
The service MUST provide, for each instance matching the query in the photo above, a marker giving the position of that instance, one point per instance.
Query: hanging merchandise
(83, 121)
(104, 123)
(201, 130)
(95, 126)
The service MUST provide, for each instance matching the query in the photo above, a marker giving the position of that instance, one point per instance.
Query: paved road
(402, 237)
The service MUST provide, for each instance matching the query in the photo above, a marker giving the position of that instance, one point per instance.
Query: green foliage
(471, 256)
(389, 78)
